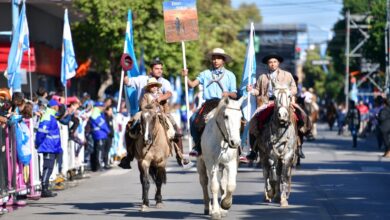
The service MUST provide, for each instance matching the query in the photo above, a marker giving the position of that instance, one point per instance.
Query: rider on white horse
(217, 82)
(264, 89)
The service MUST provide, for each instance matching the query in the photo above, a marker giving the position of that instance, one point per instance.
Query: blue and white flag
(249, 77)
(131, 92)
(68, 62)
(20, 43)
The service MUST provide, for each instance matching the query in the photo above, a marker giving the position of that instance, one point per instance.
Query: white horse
(219, 159)
(277, 144)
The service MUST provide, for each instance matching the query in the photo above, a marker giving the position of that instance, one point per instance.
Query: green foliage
(373, 50)
(101, 35)
(251, 12)
(314, 75)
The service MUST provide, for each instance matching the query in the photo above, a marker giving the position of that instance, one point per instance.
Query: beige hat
(152, 82)
(220, 52)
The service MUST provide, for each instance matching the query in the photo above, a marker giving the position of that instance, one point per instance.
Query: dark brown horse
(331, 114)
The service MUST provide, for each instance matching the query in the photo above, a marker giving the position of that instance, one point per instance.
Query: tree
(372, 50)
(100, 35)
(314, 74)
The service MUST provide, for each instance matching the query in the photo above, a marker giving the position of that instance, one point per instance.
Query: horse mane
(215, 111)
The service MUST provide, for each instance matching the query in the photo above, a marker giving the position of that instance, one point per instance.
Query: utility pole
(346, 89)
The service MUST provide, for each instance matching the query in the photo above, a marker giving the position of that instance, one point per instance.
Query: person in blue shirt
(48, 142)
(100, 132)
(217, 82)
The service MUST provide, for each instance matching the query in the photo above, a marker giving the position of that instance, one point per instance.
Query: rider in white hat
(217, 82)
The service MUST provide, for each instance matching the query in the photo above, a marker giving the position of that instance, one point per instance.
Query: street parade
(194, 109)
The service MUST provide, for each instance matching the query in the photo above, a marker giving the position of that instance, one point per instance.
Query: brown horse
(331, 114)
(151, 149)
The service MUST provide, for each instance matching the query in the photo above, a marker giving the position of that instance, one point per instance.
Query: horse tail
(158, 174)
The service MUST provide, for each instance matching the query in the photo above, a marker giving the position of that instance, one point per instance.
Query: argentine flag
(68, 62)
(249, 77)
(20, 43)
(131, 92)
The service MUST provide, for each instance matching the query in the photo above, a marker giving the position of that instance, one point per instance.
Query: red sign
(4, 51)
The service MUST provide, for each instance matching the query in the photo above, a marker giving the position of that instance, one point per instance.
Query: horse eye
(226, 117)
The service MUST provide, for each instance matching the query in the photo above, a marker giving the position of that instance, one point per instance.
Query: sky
(318, 15)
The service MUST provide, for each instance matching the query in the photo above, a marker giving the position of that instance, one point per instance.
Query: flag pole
(66, 93)
(183, 47)
(29, 73)
(250, 74)
(122, 77)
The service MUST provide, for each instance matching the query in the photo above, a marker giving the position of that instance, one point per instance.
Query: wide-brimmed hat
(270, 56)
(220, 52)
(152, 82)
(126, 62)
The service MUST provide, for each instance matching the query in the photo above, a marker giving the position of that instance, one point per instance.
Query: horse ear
(226, 100)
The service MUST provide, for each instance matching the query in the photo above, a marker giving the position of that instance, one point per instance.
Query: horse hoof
(159, 205)
(144, 208)
(284, 203)
(216, 215)
(225, 204)
(224, 212)
(267, 200)
(206, 212)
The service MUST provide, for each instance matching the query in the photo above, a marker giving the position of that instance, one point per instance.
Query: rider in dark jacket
(384, 126)
(353, 121)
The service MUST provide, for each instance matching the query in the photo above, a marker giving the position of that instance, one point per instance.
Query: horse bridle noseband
(226, 136)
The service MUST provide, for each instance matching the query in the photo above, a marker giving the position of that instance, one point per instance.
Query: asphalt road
(335, 181)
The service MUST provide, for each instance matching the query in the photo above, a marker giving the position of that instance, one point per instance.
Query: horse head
(228, 119)
(282, 103)
(148, 119)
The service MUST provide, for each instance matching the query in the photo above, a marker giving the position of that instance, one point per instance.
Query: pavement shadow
(165, 214)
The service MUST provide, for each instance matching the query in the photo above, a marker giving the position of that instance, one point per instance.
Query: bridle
(226, 137)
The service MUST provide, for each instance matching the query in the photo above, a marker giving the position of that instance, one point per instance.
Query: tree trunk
(108, 82)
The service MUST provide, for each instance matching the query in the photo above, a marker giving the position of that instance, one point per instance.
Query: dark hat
(270, 56)
(126, 62)
(155, 61)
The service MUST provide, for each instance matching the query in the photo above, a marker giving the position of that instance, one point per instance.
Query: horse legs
(285, 182)
(214, 188)
(143, 167)
(278, 171)
(231, 172)
(161, 176)
(204, 181)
